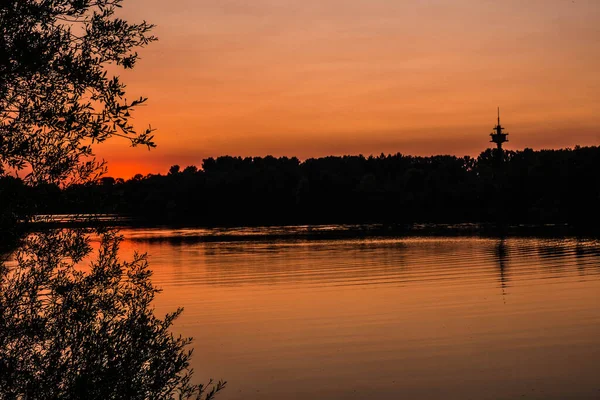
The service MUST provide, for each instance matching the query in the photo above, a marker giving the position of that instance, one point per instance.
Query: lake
(383, 318)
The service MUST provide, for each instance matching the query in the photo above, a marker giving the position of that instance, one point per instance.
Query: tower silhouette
(497, 135)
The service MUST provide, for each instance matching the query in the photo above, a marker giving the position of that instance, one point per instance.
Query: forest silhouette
(537, 187)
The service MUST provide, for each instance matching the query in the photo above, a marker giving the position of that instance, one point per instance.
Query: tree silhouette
(56, 96)
(71, 328)
(69, 331)
(546, 186)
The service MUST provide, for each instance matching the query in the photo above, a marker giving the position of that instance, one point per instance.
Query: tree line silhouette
(547, 186)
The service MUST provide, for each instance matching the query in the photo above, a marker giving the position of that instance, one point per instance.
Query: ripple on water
(386, 318)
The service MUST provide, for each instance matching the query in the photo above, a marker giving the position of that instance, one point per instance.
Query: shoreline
(211, 233)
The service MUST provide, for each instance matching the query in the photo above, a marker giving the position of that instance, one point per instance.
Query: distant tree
(107, 181)
(174, 170)
(57, 97)
(190, 169)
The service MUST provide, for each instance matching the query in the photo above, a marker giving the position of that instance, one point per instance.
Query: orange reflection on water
(385, 318)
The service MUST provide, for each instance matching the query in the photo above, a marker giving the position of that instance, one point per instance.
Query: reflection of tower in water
(502, 260)
(587, 256)
(580, 257)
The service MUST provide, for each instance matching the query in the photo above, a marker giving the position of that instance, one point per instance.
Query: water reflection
(387, 318)
(502, 256)
(369, 261)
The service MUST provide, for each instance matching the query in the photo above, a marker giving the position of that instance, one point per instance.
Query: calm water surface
(389, 318)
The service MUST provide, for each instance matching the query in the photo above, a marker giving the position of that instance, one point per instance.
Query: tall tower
(497, 135)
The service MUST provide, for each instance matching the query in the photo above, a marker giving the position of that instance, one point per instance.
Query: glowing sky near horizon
(318, 77)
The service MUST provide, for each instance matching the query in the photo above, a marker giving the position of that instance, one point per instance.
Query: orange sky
(318, 77)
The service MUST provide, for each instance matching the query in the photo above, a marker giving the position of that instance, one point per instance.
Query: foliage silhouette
(56, 96)
(71, 331)
(68, 331)
(547, 186)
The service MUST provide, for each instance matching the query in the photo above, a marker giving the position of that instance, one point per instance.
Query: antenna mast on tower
(497, 135)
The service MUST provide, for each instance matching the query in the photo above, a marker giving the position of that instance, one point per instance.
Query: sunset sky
(320, 77)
